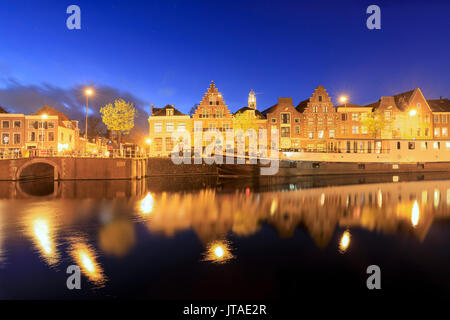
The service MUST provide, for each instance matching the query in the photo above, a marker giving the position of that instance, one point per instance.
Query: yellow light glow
(89, 92)
(273, 207)
(218, 252)
(415, 214)
(62, 147)
(413, 112)
(44, 116)
(107, 153)
(380, 199)
(147, 204)
(345, 241)
(343, 99)
(85, 257)
(42, 235)
(148, 141)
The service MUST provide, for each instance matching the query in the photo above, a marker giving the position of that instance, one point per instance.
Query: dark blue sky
(167, 52)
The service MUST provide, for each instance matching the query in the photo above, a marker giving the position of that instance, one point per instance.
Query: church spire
(252, 99)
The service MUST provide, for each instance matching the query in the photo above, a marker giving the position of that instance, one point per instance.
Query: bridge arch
(33, 162)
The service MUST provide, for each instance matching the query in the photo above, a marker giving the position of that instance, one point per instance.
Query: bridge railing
(33, 153)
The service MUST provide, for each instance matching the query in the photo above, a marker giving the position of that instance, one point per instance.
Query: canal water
(208, 238)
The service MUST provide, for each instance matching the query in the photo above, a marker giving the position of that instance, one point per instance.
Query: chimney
(152, 109)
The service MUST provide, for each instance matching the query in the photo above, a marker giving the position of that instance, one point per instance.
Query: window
(355, 130)
(181, 127)
(285, 118)
(427, 118)
(197, 126)
(344, 130)
(436, 118)
(315, 109)
(32, 137)
(297, 120)
(418, 132)
(311, 134)
(297, 130)
(169, 144)
(355, 146)
(158, 127)
(387, 115)
(310, 121)
(41, 136)
(16, 138)
(274, 120)
(32, 124)
(364, 116)
(51, 124)
(355, 117)
(51, 136)
(444, 118)
(169, 127)
(325, 109)
(320, 134)
(344, 117)
(226, 126)
(285, 132)
(158, 144)
(320, 98)
(418, 106)
(398, 145)
(424, 145)
(436, 145)
(426, 132)
(62, 136)
(436, 132)
(5, 124)
(331, 133)
(212, 126)
(330, 121)
(444, 132)
(70, 138)
(447, 145)
(17, 124)
(411, 145)
(210, 103)
(169, 112)
(5, 138)
(364, 130)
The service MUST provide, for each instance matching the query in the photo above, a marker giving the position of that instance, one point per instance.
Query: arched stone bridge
(68, 168)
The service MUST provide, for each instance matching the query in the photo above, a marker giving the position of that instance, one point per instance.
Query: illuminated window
(169, 112)
(355, 117)
(311, 134)
(444, 132)
(5, 124)
(5, 138)
(181, 127)
(315, 109)
(447, 145)
(325, 109)
(436, 132)
(320, 134)
(158, 144)
(331, 133)
(169, 127)
(364, 130)
(424, 145)
(355, 129)
(158, 127)
(285, 132)
(17, 138)
(387, 115)
(444, 118)
(436, 118)
(169, 144)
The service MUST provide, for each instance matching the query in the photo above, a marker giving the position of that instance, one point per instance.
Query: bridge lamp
(44, 116)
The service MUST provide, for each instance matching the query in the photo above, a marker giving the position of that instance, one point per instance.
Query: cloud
(19, 98)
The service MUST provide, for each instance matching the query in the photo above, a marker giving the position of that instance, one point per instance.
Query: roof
(3, 110)
(351, 105)
(440, 105)
(258, 114)
(53, 112)
(162, 111)
(269, 110)
(402, 99)
(302, 105)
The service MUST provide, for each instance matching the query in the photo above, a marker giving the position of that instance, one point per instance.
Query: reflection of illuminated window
(437, 197)
(424, 197)
(436, 145)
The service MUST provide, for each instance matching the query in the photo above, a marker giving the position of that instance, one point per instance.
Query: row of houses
(314, 124)
(48, 130)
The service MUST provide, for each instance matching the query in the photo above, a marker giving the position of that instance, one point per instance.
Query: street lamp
(44, 116)
(343, 99)
(88, 93)
(148, 141)
(412, 112)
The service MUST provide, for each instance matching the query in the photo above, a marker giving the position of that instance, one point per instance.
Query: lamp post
(44, 116)
(88, 92)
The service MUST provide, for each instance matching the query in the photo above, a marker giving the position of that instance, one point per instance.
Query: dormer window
(169, 112)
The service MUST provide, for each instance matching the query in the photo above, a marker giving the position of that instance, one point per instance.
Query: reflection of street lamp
(88, 92)
(44, 116)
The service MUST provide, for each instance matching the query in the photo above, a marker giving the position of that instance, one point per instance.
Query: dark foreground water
(206, 238)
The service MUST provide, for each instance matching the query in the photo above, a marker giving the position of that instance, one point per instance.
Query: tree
(375, 122)
(192, 111)
(94, 129)
(119, 117)
(244, 121)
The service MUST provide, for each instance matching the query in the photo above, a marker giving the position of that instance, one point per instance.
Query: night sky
(167, 52)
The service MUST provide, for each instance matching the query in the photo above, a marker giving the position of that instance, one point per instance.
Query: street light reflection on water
(210, 226)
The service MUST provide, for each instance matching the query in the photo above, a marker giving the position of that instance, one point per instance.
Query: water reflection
(218, 251)
(40, 226)
(345, 241)
(85, 257)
